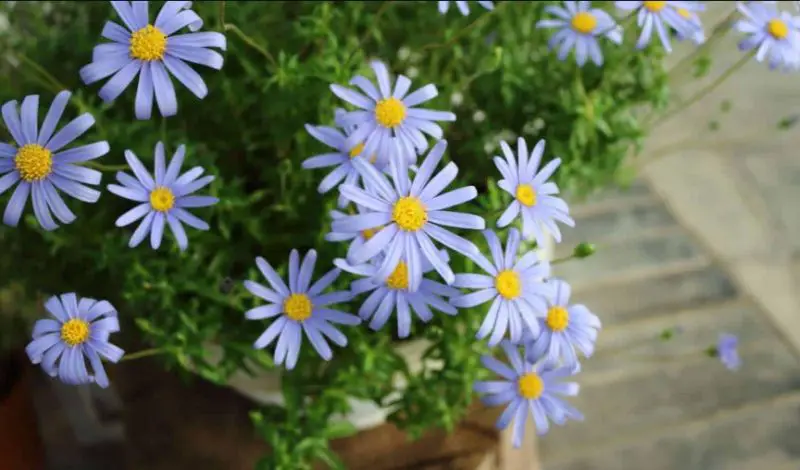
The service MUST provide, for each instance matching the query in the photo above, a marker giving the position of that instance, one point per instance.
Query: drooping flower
(411, 214)
(40, 165)
(299, 309)
(535, 198)
(153, 51)
(388, 112)
(514, 285)
(393, 294)
(79, 332)
(344, 171)
(689, 13)
(564, 329)
(775, 34)
(463, 6)
(580, 26)
(528, 389)
(661, 15)
(163, 200)
(727, 345)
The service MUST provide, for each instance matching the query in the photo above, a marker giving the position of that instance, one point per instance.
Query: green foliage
(249, 132)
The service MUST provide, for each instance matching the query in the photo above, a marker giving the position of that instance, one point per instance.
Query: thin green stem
(251, 42)
(143, 353)
(706, 90)
(481, 19)
(563, 259)
(363, 39)
(222, 15)
(716, 34)
(101, 167)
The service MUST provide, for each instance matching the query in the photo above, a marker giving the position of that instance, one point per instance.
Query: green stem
(101, 167)
(716, 34)
(363, 39)
(705, 91)
(563, 259)
(251, 42)
(222, 15)
(143, 353)
(482, 18)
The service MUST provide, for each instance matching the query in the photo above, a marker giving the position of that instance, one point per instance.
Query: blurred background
(695, 221)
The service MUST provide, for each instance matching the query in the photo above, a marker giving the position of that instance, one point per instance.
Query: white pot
(265, 387)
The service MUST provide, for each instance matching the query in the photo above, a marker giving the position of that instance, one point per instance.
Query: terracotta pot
(20, 443)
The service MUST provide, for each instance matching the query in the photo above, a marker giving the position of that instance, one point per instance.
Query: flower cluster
(398, 213)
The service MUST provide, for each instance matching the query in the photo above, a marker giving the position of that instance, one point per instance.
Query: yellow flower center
(557, 318)
(684, 13)
(778, 29)
(162, 199)
(530, 386)
(508, 284)
(370, 232)
(148, 43)
(298, 307)
(390, 112)
(356, 151)
(398, 280)
(33, 162)
(409, 214)
(526, 195)
(655, 6)
(75, 332)
(584, 22)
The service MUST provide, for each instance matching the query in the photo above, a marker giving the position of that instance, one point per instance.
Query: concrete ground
(708, 241)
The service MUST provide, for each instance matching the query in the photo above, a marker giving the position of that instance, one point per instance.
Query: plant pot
(265, 387)
(20, 443)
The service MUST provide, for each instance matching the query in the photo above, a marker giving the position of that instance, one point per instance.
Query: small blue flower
(394, 294)
(463, 6)
(689, 13)
(79, 332)
(153, 53)
(727, 351)
(344, 171)
(528, 389)
(411, 215)
(39, 164)
(565, 328)
(515, 286)
(299, 309)
(579, 27)
(775, 34)
(660, 15)
(387, 113)
(534, 197)
(163, 200)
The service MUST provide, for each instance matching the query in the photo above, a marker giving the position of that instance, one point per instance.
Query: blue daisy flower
(564, 329)
(515, 285)
(534, 197)
(344, 171)
(412, 215)
(79, 332)
(356, 238)
(299, 309)
(153, 52)
(727, 351)
(163, 200)
(689, 13)
(394, 294)
(463, 6)
(579, 27)
(387, 113)
(773, 33)
(660, 15)
(528, 388)
(40, 165)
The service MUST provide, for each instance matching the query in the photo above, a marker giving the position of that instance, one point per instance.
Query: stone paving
(660, 404)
